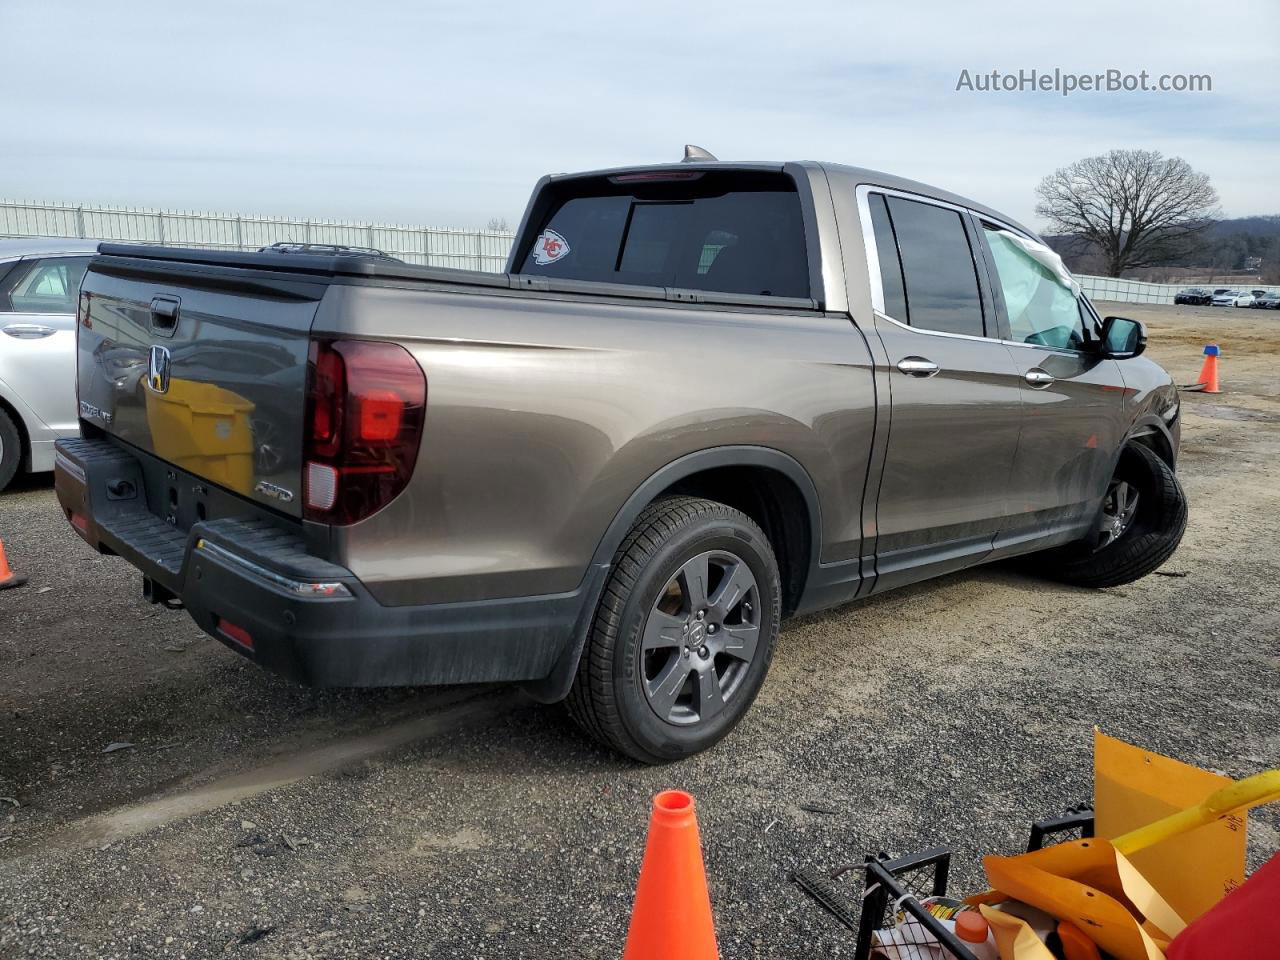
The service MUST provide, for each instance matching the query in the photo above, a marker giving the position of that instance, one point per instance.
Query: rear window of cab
(726, 232)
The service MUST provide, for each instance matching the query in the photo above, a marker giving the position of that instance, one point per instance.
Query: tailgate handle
(164, 314)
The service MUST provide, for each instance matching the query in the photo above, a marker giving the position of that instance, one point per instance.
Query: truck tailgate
(203, 366)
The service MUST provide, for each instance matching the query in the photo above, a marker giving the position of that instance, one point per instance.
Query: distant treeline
(1228, 246)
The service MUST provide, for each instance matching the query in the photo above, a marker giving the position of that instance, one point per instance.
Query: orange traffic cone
(1209, 372)
(7, 577)
(672, 916)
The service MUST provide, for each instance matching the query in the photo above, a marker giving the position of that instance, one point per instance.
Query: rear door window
(731, 233)
(895, 296)
(938, 269)
(43, 286)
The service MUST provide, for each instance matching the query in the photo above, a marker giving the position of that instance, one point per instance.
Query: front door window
(1042, 309)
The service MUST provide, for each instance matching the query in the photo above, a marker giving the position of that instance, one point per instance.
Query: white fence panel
(40, 220)
(206, 230)
(432, 246)
(1139, 291)
(1127, 291)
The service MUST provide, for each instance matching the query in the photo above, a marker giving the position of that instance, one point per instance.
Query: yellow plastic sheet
(1133, 788)
(1014, 937)
(1097, 889)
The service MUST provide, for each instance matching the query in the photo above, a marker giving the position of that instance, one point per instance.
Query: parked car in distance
(39, 283)
(703, 397)
(1194, 296)
(1232, 298)
(328, 250)
(1268, 301)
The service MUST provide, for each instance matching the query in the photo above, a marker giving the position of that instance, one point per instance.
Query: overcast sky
(423, 112)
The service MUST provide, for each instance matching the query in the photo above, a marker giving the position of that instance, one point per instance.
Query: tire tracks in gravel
(129, 820)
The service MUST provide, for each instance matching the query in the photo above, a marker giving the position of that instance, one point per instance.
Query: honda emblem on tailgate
(158, 370)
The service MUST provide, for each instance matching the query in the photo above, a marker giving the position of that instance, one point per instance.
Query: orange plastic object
(672, 918)
(1075, 944)
(972, 927)
(7, 577)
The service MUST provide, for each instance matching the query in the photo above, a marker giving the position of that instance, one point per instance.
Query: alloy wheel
(700, 638)
(1118, 510)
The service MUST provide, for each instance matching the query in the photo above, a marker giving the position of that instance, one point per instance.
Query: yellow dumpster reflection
(204, 429)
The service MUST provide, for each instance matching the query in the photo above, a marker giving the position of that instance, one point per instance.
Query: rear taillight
(366, 402)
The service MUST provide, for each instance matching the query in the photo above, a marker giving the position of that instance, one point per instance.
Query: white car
(1233, 298)
(39, 285)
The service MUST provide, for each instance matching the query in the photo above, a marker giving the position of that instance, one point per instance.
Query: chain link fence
(429, 246)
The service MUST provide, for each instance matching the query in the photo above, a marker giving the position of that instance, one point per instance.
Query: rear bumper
(249, 582)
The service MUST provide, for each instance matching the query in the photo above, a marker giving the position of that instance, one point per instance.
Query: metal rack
(894, 888)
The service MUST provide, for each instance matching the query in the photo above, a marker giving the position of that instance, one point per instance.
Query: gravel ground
(254, 818)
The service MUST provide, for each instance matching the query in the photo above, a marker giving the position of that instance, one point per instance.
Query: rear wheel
(684, 633)
(10, 449)
(1139, 526)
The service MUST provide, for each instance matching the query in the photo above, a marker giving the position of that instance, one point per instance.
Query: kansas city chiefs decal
(549, 247)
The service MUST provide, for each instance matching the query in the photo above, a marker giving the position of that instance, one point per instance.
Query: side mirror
(1123, 338)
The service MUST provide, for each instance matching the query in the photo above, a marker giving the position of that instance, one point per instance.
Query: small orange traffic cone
(7, 577)
(672, 916)
(1209, 372)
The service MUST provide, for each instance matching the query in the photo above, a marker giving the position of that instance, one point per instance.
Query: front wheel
(1139, 526)
(684, 633)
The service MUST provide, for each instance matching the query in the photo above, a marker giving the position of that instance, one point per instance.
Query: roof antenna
(692, 154)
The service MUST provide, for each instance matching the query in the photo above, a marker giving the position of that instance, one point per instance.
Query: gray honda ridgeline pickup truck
(703, 397)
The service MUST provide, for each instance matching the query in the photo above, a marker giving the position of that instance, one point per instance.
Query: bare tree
(498, 224)
(1136, 208)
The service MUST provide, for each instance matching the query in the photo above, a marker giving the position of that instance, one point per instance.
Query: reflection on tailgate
(206, 371)
(204, 429)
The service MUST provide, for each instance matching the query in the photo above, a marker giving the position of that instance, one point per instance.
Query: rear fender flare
(687, 466)
(556, 685)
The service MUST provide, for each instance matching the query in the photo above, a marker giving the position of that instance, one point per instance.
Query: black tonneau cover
(306, 266)
(305, 263)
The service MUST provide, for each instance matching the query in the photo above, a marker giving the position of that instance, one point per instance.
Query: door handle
(918, 367)
(29, 331)
(1039, 378)
(164, 315)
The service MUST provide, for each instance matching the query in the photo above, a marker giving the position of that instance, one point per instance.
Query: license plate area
(182, 499)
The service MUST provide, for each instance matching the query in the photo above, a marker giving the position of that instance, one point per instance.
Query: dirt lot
(250, 817)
